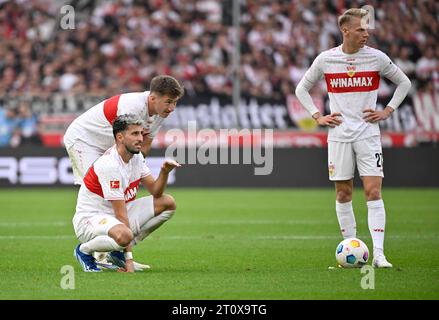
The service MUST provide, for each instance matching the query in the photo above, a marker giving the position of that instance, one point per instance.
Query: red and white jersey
(110, 178)
(352, 82)
(95, 125)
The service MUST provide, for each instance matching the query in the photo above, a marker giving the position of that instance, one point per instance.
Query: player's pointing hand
(169, 165)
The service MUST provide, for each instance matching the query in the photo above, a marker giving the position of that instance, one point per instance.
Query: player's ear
(119, 136)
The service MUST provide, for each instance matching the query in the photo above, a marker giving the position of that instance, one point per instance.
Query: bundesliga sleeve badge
(114, 184)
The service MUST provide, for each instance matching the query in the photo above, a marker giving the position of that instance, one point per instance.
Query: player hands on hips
(108, 216)
(352, 73)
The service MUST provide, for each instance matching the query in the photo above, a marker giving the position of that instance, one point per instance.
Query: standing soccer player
(108, 216)
(91, 134)
(352, 72)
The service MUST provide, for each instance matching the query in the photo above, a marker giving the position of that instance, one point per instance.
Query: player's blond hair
(347, 16)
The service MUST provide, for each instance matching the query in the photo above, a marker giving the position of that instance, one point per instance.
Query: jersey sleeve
(110, 180)
(312, 75)
(315, 72)
(144, 170)
(132, 103)
(389, 70)
(386, 67)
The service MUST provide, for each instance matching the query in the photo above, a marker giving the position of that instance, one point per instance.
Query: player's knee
(344, 195)
(373, 194)
(166, 202)
(170, 203)
(124, 237)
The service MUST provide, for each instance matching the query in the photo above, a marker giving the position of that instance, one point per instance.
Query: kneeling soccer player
(108, 216)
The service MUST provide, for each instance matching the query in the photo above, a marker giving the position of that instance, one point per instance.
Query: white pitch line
(36, 237)
(25, 224)
(279, 237)
(220, 237)
(244, 222)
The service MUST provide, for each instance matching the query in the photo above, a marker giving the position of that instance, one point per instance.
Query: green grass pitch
(225, 244)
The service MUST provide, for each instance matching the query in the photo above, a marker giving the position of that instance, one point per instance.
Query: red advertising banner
(415, 122)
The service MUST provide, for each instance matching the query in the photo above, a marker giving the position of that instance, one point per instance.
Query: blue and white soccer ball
(352, 253)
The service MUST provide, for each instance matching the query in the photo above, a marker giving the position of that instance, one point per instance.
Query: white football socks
(346, 219)
(152, 224)
(377, 222)
(100, 243)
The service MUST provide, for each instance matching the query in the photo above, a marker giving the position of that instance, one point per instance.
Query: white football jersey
(352, 82)
(110, 178)
(95, 125)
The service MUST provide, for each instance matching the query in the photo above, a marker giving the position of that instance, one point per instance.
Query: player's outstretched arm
(157, 187)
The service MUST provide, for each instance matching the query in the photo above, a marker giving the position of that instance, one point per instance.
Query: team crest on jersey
(114, 184)
(331, 169)
(351, 71)
(103, 221)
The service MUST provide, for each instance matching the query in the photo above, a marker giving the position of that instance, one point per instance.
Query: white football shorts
(366, 154)
(88, 227)
(82, 157)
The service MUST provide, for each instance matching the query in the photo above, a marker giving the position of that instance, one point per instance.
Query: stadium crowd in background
(118, 46)
(18, 126)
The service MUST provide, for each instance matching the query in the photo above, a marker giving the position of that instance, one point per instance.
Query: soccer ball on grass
(352, 253)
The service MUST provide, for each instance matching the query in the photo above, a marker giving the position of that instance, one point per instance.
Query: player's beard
(131, 150)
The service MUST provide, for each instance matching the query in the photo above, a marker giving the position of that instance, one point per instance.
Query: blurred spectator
(426, 64)
(435, 78)
(28, 125)
(119, 45)
(403, 61)
(9, 131)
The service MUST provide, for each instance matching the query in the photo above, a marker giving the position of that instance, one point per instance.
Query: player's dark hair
(166, 86)
(123, 121)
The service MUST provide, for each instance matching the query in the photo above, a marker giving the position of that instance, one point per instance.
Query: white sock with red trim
(377, 223)
(346, 219)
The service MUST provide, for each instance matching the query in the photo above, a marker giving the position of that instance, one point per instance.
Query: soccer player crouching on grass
(91, 134)
(352, 72)
(108, 216)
